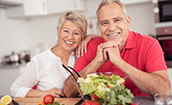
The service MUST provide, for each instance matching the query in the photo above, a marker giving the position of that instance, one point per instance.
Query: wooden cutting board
(34, 101)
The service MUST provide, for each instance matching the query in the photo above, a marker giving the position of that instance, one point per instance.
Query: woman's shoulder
(42, 54)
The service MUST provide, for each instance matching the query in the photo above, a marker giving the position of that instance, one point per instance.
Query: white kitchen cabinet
(134, 1)
(44, 7)
(10, 3)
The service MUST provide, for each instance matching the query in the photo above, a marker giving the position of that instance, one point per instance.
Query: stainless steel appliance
(164, 36)
(163, 25)
(162, 10)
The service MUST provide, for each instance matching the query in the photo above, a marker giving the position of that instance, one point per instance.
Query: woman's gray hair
(76, 17)
(106, 2)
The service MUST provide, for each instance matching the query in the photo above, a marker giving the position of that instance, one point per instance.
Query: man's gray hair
(106, 2)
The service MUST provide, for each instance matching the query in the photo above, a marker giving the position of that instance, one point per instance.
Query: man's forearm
(149, 83)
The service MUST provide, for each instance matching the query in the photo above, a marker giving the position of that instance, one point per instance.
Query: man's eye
(116, 20)
(104, 23)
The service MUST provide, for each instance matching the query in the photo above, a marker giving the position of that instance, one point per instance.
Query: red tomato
(48, 99)
(122, 83)
(89, 102)
(109, 86)
(133, 104)
(110, 78)
(94, 97)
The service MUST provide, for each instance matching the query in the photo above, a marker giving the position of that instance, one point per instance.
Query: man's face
(113, 24)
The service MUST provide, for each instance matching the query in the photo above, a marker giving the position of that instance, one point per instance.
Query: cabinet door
(134, 1)
(35, 7)
(59, 6)
(44, 7)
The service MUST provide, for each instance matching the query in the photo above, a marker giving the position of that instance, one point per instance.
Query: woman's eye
(76, 33)
(66, 31)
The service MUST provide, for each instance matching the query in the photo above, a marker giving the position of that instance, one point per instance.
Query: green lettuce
(98, 85)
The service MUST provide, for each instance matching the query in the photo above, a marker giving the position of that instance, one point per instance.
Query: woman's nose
(70, 36)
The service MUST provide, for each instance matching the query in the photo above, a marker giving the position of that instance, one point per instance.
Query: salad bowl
(104, 88)
(98, 83)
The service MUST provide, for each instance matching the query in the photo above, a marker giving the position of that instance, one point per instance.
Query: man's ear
(128, 21)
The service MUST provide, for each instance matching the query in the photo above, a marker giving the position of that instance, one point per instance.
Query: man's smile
(113, 34)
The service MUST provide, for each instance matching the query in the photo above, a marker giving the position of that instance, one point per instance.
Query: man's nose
(112, 26)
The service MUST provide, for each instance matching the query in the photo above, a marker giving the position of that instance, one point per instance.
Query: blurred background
(28, 27)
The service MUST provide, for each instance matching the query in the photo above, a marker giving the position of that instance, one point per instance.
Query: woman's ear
(58, 33)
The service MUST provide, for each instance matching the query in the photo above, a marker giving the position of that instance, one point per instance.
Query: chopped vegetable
(118, 95)
(89, 102)
(40, 103)
(99, 84)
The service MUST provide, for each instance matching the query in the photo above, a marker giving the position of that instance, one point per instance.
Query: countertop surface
(12, 66)
(34, 101)
(139, 100)
(143, 100)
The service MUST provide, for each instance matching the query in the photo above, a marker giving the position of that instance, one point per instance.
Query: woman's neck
(62, 53)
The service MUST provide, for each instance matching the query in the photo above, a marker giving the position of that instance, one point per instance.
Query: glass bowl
(109, 73)
(118, 77)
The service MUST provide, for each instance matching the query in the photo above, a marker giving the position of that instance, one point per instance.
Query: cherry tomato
(48, 99)
(94, 97)
(89, 102)
(109, 86)
(40, 103)
(133, 104)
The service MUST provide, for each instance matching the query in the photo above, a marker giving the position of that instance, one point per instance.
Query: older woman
(45, 69)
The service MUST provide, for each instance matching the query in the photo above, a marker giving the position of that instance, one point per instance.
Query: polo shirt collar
(130, 43)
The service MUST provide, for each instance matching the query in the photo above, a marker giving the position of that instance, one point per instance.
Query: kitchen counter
(139, 100)
(12, 66)
(143, 100)
(34, 101)
(8, 74)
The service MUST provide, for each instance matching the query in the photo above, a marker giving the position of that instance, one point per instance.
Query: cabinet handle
(165, 38)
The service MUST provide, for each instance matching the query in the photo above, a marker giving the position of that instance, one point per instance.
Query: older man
(140, 57)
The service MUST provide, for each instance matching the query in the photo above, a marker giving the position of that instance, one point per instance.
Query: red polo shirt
(141, 51)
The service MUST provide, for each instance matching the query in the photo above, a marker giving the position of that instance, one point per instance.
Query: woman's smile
(69, 42)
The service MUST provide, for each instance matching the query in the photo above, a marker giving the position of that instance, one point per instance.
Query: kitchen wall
(14, 33)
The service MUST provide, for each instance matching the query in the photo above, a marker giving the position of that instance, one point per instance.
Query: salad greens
(118, 95)
(98, 85)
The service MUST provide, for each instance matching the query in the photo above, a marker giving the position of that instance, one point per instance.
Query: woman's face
(69, 36)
